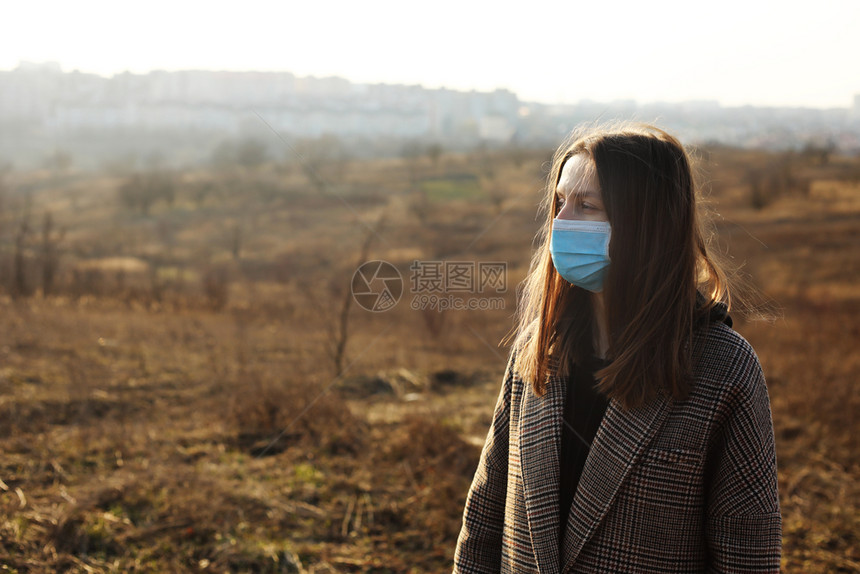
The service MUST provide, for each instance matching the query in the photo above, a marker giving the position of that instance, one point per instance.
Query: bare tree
(419, 204)
(337, 324)
(50, 253)
(341, 328)
(20, 288)
(3, 194)
(484, 162)
(216, 286)
(142, 190)
(236, 240)
(59, 162)
(757, 197)
(496, 190)
(323, 161)
(251, 153)
(410, 153)
(434, 152)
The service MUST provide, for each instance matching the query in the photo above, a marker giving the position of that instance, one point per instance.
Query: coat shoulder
(722, 355)
(727, 372)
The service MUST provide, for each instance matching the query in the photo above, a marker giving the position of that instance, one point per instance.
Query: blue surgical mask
(580, 251)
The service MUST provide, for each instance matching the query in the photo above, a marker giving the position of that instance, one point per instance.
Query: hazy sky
(737, 52)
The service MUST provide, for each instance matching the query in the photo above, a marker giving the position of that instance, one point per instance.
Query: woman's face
(577, 194)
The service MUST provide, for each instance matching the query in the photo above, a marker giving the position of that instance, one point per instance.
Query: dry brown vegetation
(171, 404)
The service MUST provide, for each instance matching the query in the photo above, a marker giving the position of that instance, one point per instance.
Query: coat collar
(620, 440)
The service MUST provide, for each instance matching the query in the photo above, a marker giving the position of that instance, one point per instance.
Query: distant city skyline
(789, 54)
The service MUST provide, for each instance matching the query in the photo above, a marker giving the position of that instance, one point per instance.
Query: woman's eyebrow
(578, 193)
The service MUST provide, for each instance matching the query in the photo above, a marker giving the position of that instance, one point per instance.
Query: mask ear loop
(606, 248)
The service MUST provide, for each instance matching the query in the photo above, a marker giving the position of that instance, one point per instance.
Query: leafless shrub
(268, 414)
(439, 465)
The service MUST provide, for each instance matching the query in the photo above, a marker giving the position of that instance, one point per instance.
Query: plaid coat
(674, 486)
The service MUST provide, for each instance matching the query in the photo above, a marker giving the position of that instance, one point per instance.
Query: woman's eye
(559, 201)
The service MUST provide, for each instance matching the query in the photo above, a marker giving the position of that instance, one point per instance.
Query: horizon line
(58, 66)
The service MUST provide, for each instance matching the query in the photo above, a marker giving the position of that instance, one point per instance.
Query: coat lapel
(540, 438)
(620, 440)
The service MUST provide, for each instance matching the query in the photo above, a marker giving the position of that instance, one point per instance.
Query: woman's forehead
(578, 176)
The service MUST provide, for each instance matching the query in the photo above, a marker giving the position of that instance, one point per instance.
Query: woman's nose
(567, 211)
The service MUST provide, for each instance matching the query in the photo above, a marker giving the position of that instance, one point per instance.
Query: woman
(633, 430)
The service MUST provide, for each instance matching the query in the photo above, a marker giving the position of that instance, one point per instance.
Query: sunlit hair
(659, 261)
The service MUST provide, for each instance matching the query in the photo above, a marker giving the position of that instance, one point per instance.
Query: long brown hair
(659, 261)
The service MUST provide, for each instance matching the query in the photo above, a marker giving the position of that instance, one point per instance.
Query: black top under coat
(584, 408)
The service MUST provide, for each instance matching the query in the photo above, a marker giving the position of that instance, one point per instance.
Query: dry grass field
(186, 383)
